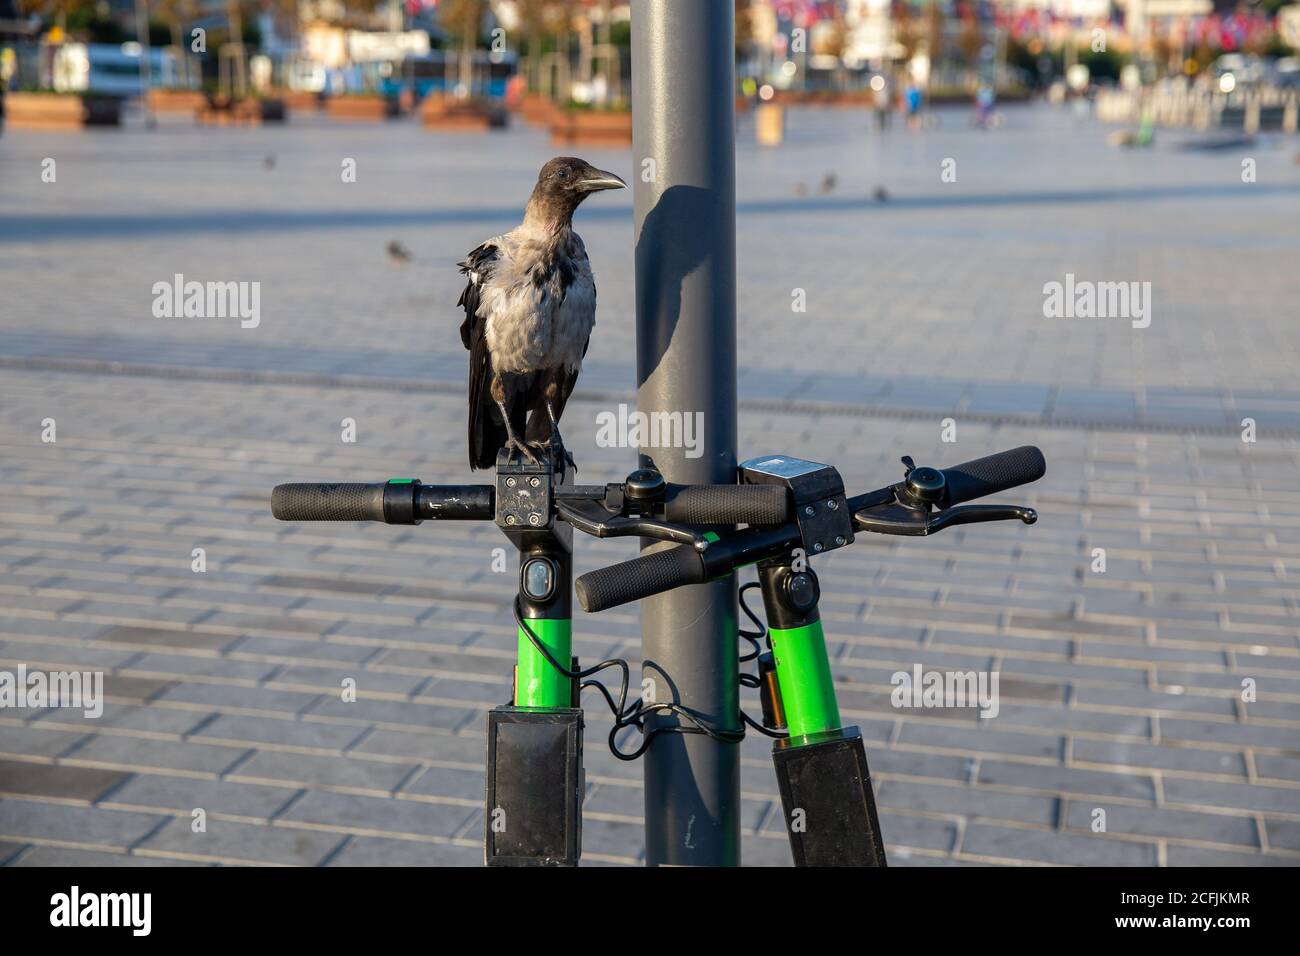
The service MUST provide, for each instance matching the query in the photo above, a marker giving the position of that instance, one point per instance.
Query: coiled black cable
(634, 715)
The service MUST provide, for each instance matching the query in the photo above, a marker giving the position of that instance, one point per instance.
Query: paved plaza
(1120, 690)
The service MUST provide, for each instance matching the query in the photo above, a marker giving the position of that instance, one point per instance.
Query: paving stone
(144, 719)
(1217, 732)
(765, 851)
(12, 853)
(1067, 780)
(64, 857)
(1078, 719)
(967, 801)
(1152, 822)
(425, 746)
(185, 794)
(144, 617)
(334, 772)
(1179, 792)
(84, 826)
(33, 740)
(979, 740)
(612, 838)
(917, 832)
(488, 693)
(164, 637)
(345, 812)
(66, 657)
(447, 782)
(124, 687)
(1085, 750)
(1274, 710)
(227, 842)
(368, 683)
(406, 713)
(1270, 766)
(1048, 846)
(22, 779)
(1282, 834)
(1075, 670)
(1159, 701)
(137, 752)
(305, 734)
(377, 851)
(262, 700)
(1204, 857)
(173, 665)
(913, 764)
(297, 650)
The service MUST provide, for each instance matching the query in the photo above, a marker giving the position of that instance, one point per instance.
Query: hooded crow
(530, 305)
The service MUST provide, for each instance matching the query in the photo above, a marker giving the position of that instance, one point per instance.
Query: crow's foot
(553, 447)
(514, 445)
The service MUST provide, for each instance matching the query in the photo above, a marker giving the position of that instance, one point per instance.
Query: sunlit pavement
(1120, 691)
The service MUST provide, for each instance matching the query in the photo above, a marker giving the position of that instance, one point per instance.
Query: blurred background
(915, 176)
(577, 52)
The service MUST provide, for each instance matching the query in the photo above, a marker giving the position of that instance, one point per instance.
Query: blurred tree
(57, 11)
(1165, 53)
(1103, 64)
(464, 19)
(177, 13)
(744, 30)
(560, 14)
(360, 13)
(934, 31)
(532, 25)
(909, 31)
(83, 19)
(970, 42)
(832, 39)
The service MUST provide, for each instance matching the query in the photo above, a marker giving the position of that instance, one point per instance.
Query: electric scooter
(788, 510)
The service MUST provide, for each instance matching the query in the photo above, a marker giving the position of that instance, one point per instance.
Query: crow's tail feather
(487, 436)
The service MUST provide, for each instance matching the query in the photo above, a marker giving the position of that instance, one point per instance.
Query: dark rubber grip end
(641, 577)
(728, 504)
(988, 476)
(318, 501)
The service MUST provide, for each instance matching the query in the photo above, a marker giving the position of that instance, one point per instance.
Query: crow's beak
(598, 179)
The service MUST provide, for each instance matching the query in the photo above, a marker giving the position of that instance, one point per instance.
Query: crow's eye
(563, 174)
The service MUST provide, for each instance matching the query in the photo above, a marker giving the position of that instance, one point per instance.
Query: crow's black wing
(478, 265)
(486, 436)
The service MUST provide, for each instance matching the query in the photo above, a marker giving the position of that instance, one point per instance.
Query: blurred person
(984, 100)
(912, 105)
(883, 104)
(516, 87)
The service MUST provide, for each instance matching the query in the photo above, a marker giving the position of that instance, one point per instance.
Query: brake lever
(974, 514)
(594, 519)
(894, 517)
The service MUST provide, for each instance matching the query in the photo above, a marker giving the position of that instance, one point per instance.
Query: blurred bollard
(1250, 122)
(769, 124)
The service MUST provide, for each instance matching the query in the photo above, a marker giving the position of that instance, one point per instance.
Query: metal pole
(146, 68)
(683, 147)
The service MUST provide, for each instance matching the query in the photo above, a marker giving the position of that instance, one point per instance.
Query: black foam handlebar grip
(987, 476)
(727, 504)
(641, 577)
(321, 501)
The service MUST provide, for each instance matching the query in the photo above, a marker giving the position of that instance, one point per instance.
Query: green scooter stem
(537, 682)
(803, 673)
